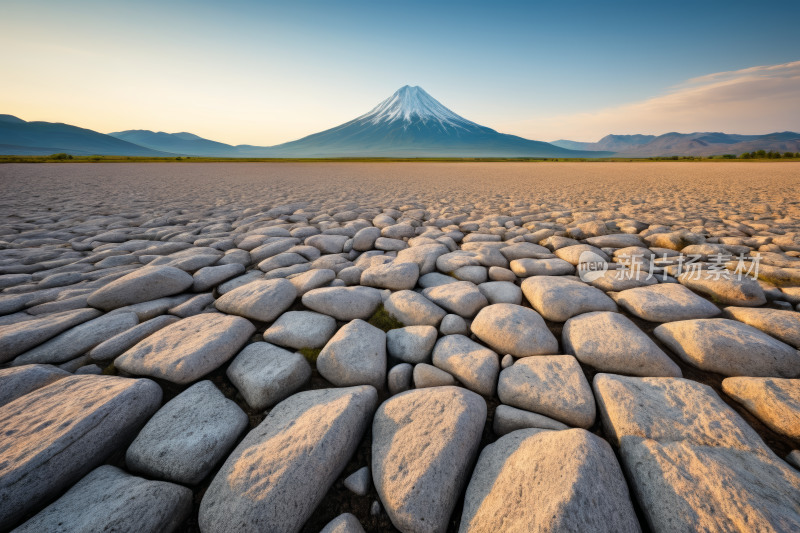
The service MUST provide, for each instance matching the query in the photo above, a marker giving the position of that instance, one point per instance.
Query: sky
(263, 73)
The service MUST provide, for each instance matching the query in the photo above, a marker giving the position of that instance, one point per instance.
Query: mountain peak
(410, 104)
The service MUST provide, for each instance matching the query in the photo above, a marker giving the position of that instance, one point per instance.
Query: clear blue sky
(267, 72)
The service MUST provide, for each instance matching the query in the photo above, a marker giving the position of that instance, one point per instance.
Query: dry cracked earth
(406, 347)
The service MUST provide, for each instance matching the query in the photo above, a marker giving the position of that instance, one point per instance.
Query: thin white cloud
(755, 100)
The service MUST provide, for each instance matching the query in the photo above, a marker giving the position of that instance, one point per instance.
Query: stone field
(415, 347)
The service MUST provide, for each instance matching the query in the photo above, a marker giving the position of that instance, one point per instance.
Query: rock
(501, 274)
(350, 275)
(426, 376)
(413, 309)
(356, 355)
(189, 349)
(21, 337)
(462, 298)
(240, 281)
(259, 300)
(142, 285)
(559, 299)
(794, 459)
(281, 471)
(620, 280)
(394, 276)
(419, 490)
(313, 279)
(17, 382)
(665, 303)
(128, 505)
(434, 279)
(192, 307)
(745, 292)
(399, 378)
(776, 402)
(209, 277)
(344, 523)
(610, 342)
(424, 256)
(78, 340)
(572, 254)
(359, 482)
(411, 344)
(89, 370)
(508, 419)
(693, 463)
(615, 241)
(513, 329)
(501, 292)
(149, 310)
(375, 508)
(187, 437)
(507, 361)
(301, 329)
(365, 239)
(450, 262)
(454, 325)
(327, 244)
(729, 348)
(473, 274)
(390, 245)
(42, 454)
(472, 364)
(344, 303)
(783, 325)
(75, 364)
(555, 242)
(523, 250)
(525, 268)
(537, 480)
(265, 374)
(281, 261)
(552, 385)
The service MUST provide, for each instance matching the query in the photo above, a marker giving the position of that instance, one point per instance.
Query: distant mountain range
(697, 144)
(410, 123)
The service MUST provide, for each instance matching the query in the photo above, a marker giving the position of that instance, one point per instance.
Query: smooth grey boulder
(462, 298)
(89, 370)
(473, 274)
(665, 302)
(783, 325)
(424, 256)
(42, 454)
(523, 250)
(525, 268)
(277, 476)
(434, 279)
(399, 378)
(60, 306)
(350, 276)
(344, 303)
(475, 366)
(776, 402)
(259, 300)
(75, 364)
(419, 490)
(513, 329)
(149, 310)
(78, 340)
(110, 499)
(189, 349)
(501, 292)
(559, 299)
(743, 291)
(611, 343)
(453, 325)
(327, 244)
(356, 355)
(412, 344)
(507, 361)
(618, 240)
(359, 482)
(508, 419)
(693, 463)
(301, 329)
(193, 306)
(273, 248)
(142, 285)
(572, 254)
(365, 239)
(426, 375)
(729, 348)
(17, 382)
(551, 385)
(239, 281)
(539, 480)
(187, 437)
(21, 337)
(344, 523)
(284, 260)
(394, 276)
(413, 309)
(265, 374)
(209, 277)
(313, 279)
(117, 345)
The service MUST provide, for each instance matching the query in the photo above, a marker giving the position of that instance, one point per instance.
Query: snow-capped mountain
(411, 123)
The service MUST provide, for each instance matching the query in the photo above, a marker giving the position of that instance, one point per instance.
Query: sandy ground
(673, 189)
